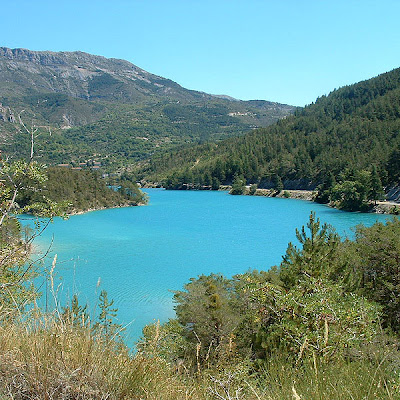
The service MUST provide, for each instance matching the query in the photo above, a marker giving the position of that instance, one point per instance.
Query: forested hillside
(89, 106)
(353, 129)
(87, 190)
(83, 190)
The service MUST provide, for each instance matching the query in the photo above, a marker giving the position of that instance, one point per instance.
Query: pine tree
(376, 190)
(106, 325)
(315, 258)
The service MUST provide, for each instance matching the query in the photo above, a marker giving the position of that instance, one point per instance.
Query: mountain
(83, 76)
(352, 129)
(112, 109)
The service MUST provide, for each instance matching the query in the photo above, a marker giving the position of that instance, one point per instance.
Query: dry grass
(46, 357)
(51, 359)
(339, 380)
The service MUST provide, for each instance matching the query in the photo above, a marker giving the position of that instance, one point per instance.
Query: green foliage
(354, 191)
(315, 316)
(129, 189)
(376, 191)
(324, 191)
(105, 324)
(316, 258)
(376, 268)
(393, 166)
(311, 312)
(278, 183)
(238, 185)
(350, 196)
(351, 193)
(20, 181)
(215, 183)
(83, 190)
(16, 272)
(205, 311)
(167, 341)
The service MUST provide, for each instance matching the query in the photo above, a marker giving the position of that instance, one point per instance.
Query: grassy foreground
(48, 357)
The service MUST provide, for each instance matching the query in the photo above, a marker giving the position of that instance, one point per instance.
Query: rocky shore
(381, 207)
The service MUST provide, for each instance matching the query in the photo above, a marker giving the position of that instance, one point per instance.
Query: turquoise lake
(140, 254)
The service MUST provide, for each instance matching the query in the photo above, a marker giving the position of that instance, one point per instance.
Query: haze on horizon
(289, 51)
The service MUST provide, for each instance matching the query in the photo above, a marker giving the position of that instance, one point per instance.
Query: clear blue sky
(289, 51)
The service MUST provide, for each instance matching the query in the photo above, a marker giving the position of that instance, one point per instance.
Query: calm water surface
(140, 254)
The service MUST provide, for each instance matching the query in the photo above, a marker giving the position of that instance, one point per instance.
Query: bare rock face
(43, 58)
(83, 75)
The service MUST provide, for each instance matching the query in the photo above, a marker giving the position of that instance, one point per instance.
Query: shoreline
(308, 195)
(381, 207)
(80, 212)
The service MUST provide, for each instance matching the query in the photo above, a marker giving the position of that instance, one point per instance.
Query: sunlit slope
(351, 128)
(113, 109)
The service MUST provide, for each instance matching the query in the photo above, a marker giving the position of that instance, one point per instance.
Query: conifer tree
(106, 325)
(315, 258)
(376, 190)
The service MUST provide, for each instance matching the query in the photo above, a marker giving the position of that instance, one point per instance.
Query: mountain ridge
(82, 66)
(110, 107)
(89, 65)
